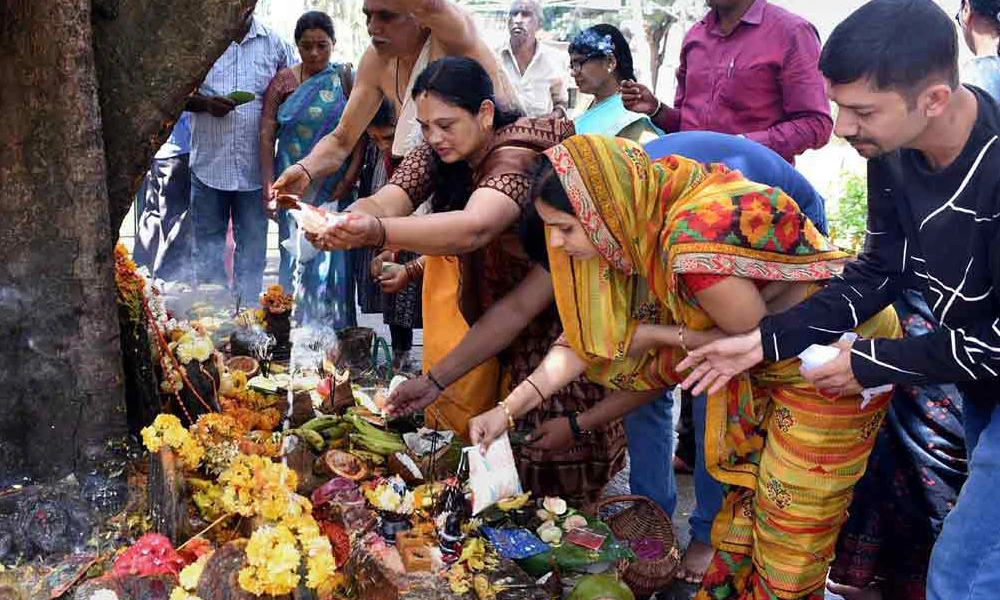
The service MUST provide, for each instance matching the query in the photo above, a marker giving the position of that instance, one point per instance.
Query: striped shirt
(224, 151)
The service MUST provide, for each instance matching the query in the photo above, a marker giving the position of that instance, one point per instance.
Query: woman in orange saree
(649, 259)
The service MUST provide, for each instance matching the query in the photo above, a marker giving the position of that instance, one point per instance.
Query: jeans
(649, 430)
(965, 557)
(211, 210)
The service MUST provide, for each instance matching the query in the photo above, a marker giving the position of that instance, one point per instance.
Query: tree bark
(67, 178)
(61, 409)
(150, 56)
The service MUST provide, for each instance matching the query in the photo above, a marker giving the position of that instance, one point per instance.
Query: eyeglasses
(575, 64)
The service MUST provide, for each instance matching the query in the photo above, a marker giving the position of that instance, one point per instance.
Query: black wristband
(574, 426)
(432, 379)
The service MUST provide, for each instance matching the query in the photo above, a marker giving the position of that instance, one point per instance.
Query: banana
(338, 431)
(320, 423)
(377, 446)
(514, 503)
(313, 438)
(370, 457)
(374, 433)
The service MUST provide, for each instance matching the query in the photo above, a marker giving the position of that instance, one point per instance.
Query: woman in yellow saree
(651, 258)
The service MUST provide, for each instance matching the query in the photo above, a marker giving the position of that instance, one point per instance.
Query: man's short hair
(899, 45)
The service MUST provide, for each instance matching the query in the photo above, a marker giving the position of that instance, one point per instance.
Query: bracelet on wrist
(506, 411)
(659, 107)
(381, 242)
(430, 377)
(305, 170)
(574, 426)
(535, 387)
(680, 335)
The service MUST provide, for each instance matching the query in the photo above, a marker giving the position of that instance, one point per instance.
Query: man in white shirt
(538, 73)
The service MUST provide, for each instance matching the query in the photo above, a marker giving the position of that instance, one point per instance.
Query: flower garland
(276, 301)
(254, 486)
(167, 430)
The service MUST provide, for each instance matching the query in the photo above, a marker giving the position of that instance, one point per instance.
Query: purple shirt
(762, 80)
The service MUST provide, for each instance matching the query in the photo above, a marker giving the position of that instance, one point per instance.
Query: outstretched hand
(717, 363)
(351, 230)
(835, 378)
(411, 396)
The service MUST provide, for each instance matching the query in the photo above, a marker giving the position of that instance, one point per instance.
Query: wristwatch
(574, 426)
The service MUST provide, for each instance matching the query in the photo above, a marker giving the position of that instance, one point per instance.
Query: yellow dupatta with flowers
(791, 455)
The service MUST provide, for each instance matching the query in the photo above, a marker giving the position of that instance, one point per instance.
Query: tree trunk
(61, 407)
(150, 56)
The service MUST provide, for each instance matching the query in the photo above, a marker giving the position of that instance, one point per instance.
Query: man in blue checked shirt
(225, 171)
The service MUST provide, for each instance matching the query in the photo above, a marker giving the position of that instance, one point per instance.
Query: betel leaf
(240, 97)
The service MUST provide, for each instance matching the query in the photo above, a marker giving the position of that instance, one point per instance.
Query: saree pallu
(610, 117)
(326, 283)
(790, 456)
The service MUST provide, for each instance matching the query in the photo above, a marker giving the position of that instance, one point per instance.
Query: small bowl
(246, 364)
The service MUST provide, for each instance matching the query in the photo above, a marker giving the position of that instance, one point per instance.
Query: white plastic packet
(297, 245)
(493, 475)
(818, 355)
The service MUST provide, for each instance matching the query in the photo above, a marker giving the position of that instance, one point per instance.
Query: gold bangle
(680, 334)
(506, 411)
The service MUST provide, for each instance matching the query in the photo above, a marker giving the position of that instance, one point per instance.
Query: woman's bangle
(381, 243)
(414, 270)
(305, 170)
(680, 334)
(432, 379)
(506, 411)
(532, 384)
(659, 107)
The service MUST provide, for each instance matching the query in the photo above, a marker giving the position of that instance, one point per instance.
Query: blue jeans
(965, 558)
(211, 210)
(650, 432)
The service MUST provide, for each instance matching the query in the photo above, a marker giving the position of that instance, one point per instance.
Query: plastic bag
(493, 475)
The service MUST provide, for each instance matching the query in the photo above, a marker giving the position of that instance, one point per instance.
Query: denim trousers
(211, 210)
(650, 432)
(965, 559)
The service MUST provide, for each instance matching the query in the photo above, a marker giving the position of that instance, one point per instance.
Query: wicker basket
(644, 519)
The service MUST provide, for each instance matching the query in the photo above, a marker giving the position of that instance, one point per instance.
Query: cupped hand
(835, 378)
(411, 396)
(352, 230)
(717, 363)
(376, 264)
(219, 106)
(552, 435)
(488, 426)
(293, 181)
(395, 280)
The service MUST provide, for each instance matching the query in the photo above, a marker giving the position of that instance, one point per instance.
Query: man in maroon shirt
(747, 68)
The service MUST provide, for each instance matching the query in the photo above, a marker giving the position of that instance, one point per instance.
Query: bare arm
(345, 185)
(450, 26)
(557, 370)
(614, 406)
(330, 152)
(488, 214)
(498, 326)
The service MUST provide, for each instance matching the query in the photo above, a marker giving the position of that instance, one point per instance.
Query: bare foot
(850, 592)
(696, 559)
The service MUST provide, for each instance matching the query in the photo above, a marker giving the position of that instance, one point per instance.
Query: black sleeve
(949, 355)
(868, 284)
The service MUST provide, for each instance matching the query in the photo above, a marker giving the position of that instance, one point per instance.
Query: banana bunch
(372, 439)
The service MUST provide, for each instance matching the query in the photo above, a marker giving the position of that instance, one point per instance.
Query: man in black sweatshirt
(934, 226)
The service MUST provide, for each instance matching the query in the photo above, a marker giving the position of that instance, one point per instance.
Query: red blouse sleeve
(281, 87)
(699, 282)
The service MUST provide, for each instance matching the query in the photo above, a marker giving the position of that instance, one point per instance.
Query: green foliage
(847, 224)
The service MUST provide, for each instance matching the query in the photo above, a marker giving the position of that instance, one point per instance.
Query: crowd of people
(575, 277)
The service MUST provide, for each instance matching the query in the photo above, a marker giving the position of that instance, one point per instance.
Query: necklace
(399, 97)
